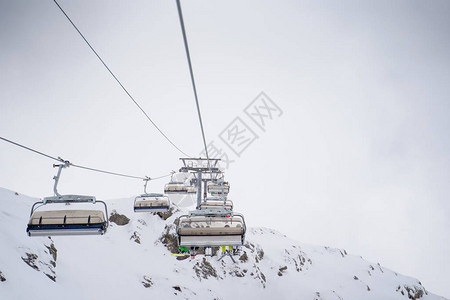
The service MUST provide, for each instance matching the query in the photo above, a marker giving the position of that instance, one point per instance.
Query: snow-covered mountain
(133, 260)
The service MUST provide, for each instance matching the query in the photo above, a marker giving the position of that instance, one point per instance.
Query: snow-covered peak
(133, 259)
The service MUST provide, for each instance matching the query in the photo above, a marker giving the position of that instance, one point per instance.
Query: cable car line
(68, 163)
(213, 223)
(35, 151)
(180, 14)
(106, 172)
(118, 81)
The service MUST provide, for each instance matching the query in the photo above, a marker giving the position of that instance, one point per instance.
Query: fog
(355, 156)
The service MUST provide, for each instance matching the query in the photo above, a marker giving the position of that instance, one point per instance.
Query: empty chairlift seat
(216, 203)
(151, 203)
(191, 189)
(67, 222)
(48, 220)
(222, 188)
(211, 231)
(175, 188)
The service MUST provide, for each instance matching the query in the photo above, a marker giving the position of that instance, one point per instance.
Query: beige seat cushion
(56, 217)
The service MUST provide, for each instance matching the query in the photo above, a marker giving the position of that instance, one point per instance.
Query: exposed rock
(135, 237)
(263, 277)
(300, 260)
(414, 292)
(338, 296)
(177, 288)
(167, 214)
(249, 245)
(204, 269)
(260, 275)
(281, 270)
(379, 266)
(30, 260)
(142, 222)
(47, 268)
(260, 253)
(237, 273)
(147, 281)
(53, 251)
(2, 277)
(53, 278)
(187, 293)
(119, 219)
(243, 257)
(169, 239)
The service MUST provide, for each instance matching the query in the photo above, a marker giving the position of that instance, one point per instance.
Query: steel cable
(180, 14)
(59, 159)
(118, 81)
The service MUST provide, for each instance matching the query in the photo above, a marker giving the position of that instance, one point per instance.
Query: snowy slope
(132, 261)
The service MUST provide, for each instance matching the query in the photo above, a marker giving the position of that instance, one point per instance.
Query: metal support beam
(199, 189)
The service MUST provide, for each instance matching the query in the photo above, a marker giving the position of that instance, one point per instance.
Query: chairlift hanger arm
(146, 179)
(56, 178)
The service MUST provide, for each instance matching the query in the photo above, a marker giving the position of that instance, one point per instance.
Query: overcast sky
(358, 159)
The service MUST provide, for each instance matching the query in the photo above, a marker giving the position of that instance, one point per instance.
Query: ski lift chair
(218, 188)
(151, 202)
(67, 221)
(211, 231)
(175, 188)
(216, 203)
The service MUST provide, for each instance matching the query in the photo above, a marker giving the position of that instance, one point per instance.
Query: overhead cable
(118, 81)
(180, 14)
(35, 151)
(68, 163)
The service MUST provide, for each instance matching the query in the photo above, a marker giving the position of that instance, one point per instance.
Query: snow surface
(116, 266)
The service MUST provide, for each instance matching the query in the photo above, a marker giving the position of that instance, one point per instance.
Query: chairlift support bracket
(203, 169)
(198, 165)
